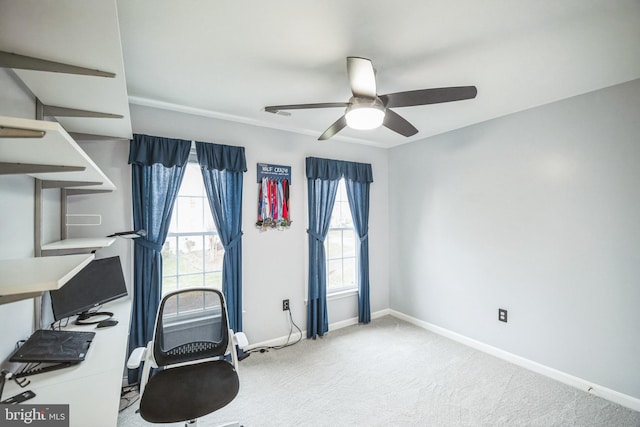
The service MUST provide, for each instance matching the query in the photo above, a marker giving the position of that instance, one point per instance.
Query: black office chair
(194, 352)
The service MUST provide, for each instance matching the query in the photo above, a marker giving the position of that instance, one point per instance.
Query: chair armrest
(136, 357)
(241, 339)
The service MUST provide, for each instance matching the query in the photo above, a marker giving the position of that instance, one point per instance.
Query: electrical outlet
(285, 304)
(502, 315)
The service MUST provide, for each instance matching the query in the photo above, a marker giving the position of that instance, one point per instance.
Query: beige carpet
(391, 373)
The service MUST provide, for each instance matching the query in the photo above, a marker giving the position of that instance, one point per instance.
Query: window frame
(344, 289)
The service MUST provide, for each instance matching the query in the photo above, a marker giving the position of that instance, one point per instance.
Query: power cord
(63, 323)
(128, 396)
(4, 375)
(59, 324)
(23, 382)
(264, 349)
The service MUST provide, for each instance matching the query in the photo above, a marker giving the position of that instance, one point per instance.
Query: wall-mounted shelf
(29, 277)
(55, 149)
(85, 245)
(69, 59)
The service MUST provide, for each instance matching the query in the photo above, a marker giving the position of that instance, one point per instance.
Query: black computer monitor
(99, 282)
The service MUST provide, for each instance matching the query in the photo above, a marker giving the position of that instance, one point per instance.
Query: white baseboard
(579, 383)
(354, 320)
(332, 327)
(275, 341)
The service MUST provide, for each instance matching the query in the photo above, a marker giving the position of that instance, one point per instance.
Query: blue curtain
(358, 195)
(157, 168)
(322, 195)
(222, 168)
(323, 176)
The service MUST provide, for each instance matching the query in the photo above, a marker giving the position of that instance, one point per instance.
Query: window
(192, 254)
(340, 246)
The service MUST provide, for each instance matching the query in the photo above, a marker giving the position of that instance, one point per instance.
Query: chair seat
(189, 392)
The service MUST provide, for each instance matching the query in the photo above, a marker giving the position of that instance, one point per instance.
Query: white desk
(92, 388)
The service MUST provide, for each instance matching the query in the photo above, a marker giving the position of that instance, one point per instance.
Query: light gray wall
(537, 213)
(16, 217)
(274, 262)
(15, 99)
(114, 208)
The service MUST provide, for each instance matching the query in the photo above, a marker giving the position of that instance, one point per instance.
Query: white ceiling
(229, 59)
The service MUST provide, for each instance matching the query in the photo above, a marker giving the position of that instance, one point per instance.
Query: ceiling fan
(368, 110)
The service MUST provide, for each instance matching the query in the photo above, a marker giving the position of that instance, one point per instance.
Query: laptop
(47, 346)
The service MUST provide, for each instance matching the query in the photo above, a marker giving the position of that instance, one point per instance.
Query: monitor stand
(91, 318)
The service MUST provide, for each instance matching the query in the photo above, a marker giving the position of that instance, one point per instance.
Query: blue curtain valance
(221, 157)
(146, 150)
(335, 169)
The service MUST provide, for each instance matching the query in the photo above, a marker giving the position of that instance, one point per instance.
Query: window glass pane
(334, 245)
(341, 194)
(192, 254)
(190, 281)
(349, 243)
(169, 284)
(169, 256)
(190, 259)
(213, 280)
(213, 253)
(192, 181)
(349, 269)
(345, 214)
(334, 274)
(335, 216)
(173, 225)
(209, 225)
(341, 246)
(190, 214)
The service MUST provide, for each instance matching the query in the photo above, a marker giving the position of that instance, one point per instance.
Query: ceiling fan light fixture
(365, 115)
(368, 110)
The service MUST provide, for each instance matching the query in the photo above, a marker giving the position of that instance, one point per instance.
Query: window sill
(342, 294)
(337, 295)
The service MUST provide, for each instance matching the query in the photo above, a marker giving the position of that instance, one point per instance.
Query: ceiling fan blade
(276, 108)
(428, 96)
(362, 78)
(340, 124)
(398, 124)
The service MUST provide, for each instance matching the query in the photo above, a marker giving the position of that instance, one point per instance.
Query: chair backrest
(191, 325)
